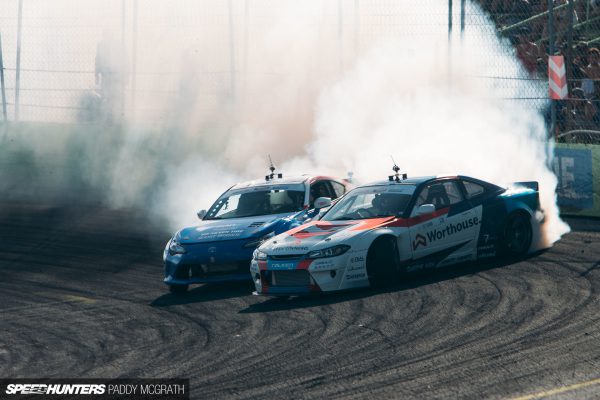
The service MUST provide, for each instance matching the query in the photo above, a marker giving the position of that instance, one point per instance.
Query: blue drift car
(220, 247)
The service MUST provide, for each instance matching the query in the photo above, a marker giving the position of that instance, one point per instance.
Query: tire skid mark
(505, 330)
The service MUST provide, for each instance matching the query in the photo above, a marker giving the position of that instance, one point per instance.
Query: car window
(473, 189)
(440, 194)
(256, 202)
(320, 189)
(453, 192)
(338, 188)
(364, 204)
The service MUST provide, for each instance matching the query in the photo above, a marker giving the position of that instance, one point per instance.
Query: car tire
(516, 236)
(178, 289)
(383, 263)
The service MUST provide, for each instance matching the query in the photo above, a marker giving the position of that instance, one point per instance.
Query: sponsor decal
(453, 260)
(282, 265)
(220, 235)
(357, 259)
(452, 229)
(291, 248)
(420, 266)
(355, 276)
(420, 240)
(486, 251)
(223, 228)
(355, 268)
(322, 264)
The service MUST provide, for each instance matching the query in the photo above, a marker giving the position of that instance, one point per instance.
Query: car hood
(320, 234)
(228, 229)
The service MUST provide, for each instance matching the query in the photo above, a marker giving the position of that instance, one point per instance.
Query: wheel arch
(519, 212)
(381, 237)
(382, 234)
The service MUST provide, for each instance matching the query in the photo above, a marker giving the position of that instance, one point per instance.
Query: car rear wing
(530, 185)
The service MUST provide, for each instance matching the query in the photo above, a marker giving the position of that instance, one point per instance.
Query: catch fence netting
(100, 61)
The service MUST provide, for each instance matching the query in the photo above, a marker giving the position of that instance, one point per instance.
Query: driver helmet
(383, 202)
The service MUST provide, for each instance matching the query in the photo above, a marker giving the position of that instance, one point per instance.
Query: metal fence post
(356, 26)
(123, 16)
(449, 20)
(551, 53)
(587, 18)
(245, 55)
(18, 67)
(2, 87)
(462, 18)
(134, 57)
(231, 52)
(340, 35)
(568, 56)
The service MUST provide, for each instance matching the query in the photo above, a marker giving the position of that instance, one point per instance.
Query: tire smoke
(317, 95)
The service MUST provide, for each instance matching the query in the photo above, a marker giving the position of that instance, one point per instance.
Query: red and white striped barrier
(557, 78)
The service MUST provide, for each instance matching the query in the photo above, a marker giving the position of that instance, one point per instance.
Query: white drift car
(377, 232)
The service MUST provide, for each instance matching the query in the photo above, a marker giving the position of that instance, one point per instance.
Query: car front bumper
(207, 263)
(307, 276)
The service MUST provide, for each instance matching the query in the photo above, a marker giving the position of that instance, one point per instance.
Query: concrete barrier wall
(577, 167)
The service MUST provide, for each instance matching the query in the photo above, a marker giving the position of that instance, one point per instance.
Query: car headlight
(255, 242)
(259, 255)
(176, 248)
(329, 252)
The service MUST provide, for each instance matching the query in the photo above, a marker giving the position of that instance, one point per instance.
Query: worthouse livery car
(378, 231)
(220, 247)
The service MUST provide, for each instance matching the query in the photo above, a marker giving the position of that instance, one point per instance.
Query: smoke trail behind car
(321, 90)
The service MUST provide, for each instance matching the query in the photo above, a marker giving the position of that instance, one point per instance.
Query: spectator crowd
(576, 36)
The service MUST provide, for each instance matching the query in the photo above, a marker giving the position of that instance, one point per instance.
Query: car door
(491, 211)
(448, 234)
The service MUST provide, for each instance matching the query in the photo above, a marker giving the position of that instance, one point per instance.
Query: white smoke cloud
(318, 96)
(432, 121)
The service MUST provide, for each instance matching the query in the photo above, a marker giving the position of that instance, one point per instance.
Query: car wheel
(383, 263)
(517, 236)
(178, 289)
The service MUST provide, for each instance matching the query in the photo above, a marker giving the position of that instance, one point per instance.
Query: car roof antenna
(271, 176)
(397, 176)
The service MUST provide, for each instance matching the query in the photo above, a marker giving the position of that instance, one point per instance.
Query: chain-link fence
(84, 61)
(570, 28)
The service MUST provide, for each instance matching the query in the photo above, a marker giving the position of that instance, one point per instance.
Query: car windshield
(372, 202)
(257, 201)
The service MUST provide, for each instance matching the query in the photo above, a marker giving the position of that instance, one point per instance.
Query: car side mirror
(322, 202)
(425, 209)
(201, 214)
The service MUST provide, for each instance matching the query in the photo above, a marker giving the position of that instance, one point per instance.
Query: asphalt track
(81, 296)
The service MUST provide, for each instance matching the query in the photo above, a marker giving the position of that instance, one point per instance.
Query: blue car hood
(229, 229)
